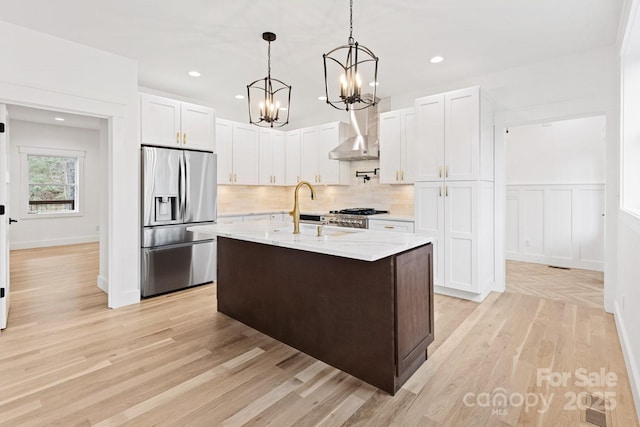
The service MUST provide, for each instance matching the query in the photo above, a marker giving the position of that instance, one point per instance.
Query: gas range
(353, 217)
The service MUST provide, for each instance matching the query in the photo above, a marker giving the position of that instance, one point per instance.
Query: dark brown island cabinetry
(371, 319)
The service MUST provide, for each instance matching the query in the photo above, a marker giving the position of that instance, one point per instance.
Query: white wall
(627, 292)
(560, 152)
(560, 225)
(555, 174)
(32, 232)
(48, 72)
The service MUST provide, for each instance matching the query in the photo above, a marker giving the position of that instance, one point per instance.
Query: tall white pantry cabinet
(454, 189)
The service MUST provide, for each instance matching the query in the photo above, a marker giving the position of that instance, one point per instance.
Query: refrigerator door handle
(183, 186)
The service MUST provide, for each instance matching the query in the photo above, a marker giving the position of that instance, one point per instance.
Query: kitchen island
(359, 300)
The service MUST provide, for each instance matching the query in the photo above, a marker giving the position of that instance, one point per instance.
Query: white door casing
(4, 219)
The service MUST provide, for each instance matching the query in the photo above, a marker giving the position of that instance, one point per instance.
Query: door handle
(11, 220)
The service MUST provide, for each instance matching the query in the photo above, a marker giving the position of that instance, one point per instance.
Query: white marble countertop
(366, 245)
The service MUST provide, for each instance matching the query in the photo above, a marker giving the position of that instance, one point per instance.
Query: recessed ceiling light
(194, 73)
(372, 84)
(436, 59)
(239, 96)
(58, 119)
(322, 98)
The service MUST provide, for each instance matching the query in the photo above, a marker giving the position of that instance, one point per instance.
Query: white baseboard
(53, 242)
(629, 358)
(127, 298)
(559, 262)
(461, 294)
(103, 284)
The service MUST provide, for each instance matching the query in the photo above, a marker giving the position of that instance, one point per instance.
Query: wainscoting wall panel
(560, 225)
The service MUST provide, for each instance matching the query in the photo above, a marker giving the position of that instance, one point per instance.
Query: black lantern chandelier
(353, 63)
(270, 97)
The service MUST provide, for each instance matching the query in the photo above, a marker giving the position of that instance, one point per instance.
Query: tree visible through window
(53, 184)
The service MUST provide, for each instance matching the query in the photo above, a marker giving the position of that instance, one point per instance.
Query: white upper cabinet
(197, 127)
(398, 136)
(250, 155)
(224, 149)
(272, 157)
(315, 165)
(309, 155)
(245, 154)
(237, 150)
(455, 137)
(332, 172)
(170, 123)
(292, 158)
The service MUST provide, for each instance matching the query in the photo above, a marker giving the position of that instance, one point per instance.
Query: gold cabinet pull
(230, 177)
(235, 178)
(439, 191)
(177, 137)
(439, 171)
(446, 171)
(319, 178)
(396, 175)
(402, 176)
(446, 191)
(389, 226)
(184, 138)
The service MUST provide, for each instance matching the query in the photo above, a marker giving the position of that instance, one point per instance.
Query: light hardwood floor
(173, 360)
(575, 286)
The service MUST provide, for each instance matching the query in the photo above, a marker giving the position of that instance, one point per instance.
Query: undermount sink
(310, 231)
(331, 231)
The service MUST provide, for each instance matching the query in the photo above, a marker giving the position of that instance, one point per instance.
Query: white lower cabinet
(391, 225)
(459, 214)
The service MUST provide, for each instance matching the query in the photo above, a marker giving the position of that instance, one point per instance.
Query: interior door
(4, 218)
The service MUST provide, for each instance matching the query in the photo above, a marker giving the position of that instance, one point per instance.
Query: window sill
(52, 215)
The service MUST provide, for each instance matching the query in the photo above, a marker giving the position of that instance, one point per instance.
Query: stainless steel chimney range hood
(363, 145)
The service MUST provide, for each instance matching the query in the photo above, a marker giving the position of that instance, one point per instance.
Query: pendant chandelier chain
(269, 61)
(351, 22)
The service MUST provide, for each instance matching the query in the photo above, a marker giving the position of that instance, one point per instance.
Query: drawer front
(389, 225)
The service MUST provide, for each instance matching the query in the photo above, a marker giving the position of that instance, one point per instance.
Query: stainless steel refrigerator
(179, 189)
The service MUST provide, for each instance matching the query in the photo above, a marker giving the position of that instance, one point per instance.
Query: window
(51, 182)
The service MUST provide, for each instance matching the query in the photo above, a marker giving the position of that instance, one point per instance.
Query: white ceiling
(222, 39)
